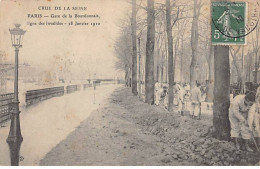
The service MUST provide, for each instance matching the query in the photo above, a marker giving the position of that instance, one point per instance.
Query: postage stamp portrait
(228, 23)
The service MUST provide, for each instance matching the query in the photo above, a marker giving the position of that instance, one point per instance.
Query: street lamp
(15, 135)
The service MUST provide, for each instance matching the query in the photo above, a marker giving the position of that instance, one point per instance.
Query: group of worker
(243, 112)
(182, 94)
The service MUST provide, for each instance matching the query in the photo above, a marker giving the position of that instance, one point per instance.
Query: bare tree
(234, 53)
(149, 64)
(209, 55)
(248, 65)
(170, 54)
(256, 47)
(182, 38)
(209, 93)
(134, 56)
(194, 39)
(123, 52)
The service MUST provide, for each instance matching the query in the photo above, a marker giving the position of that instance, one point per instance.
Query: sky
(90, 49)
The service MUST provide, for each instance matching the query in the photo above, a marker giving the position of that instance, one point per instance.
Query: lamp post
(15, 135)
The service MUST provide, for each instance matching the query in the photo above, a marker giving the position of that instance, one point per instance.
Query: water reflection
(14, 149)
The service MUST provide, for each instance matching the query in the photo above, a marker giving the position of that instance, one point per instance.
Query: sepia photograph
(129, 83)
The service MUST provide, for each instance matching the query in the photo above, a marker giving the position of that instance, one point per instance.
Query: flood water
(49, 122)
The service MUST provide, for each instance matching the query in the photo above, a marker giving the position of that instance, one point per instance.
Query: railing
(72, 88)
(96, 83)
(6, 107)
(87, 85)
(78, 87)
(35, 96)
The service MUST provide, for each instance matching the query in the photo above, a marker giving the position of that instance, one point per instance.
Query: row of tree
(174, 37)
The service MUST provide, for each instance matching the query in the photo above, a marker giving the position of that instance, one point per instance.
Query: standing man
(238, 117)
(195, 102)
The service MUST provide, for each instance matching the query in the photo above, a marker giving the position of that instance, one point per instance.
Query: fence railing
(35, 96)
(87, 85)
(72, 88)
(6, 107)
(96, 83)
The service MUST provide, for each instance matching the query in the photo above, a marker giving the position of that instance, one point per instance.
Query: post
(14, 148)
(15, 131)
(94, 84)
(15, 138)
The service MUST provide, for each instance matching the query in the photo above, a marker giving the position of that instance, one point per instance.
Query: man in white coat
(195, 102)
(238, 117)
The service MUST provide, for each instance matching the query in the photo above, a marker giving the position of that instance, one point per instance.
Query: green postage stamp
(228, 23)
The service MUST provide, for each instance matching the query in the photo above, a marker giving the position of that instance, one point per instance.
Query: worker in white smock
(238, 117)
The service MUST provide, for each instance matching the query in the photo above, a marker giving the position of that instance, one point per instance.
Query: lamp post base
(15, 130)
(14, 139)
(14, 149)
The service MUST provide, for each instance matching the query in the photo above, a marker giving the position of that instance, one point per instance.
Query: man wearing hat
(238, 114)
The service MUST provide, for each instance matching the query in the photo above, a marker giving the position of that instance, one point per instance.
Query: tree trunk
(166, 62)
(181, 71)
(234, 55)
(194, 43)
(162, 68)
(157, 73)
(243, 77)
(221, 124)
(126, 76)
(149, 64)
(170, 54)
(129, 77)
(162, 75)
(249, 66)
(209, 97)
(134, 57)
(139, 68)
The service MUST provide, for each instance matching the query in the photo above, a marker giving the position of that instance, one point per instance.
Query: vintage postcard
(129, 82)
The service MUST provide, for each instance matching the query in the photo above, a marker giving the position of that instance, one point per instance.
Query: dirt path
(126, 131)
(107, 137)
